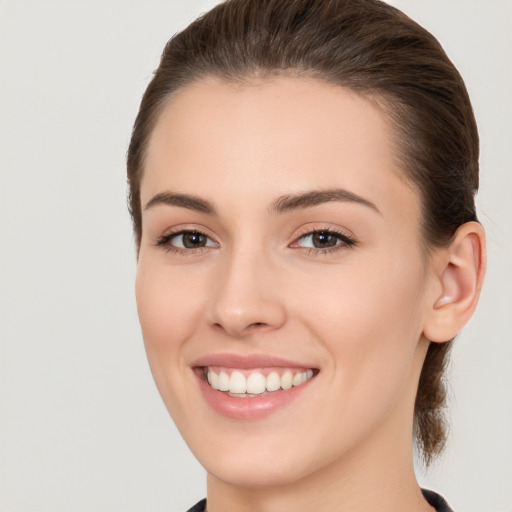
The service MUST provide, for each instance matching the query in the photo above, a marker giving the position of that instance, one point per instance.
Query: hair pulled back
(373, 49)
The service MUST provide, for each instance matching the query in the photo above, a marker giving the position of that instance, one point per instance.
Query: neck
(359, 483)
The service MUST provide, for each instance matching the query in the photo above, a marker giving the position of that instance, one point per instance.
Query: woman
(302, 179)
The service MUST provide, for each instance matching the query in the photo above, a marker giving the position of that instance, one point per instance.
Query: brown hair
(373, 49)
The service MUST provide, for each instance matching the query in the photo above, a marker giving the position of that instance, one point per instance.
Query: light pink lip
(248, 409)
(247, 361)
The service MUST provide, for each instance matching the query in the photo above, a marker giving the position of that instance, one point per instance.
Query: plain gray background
(82, 425)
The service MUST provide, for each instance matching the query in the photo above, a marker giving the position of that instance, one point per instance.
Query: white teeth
(273, 381)
(256, 383)
(223, 381)
(297, 379)
(287, 379)
(213, 379)
(237, 383)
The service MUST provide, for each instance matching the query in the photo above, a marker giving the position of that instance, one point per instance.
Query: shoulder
(436, 501)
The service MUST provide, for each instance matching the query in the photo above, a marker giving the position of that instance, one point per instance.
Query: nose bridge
(245, 298)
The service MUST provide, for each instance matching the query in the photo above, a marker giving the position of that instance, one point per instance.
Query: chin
(256, 474)
(259, 461)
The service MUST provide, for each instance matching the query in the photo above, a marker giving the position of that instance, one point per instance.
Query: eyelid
(163, 241)
(346, 239)
(176, 236)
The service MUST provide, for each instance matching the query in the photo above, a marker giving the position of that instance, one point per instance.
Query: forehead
(272, 136)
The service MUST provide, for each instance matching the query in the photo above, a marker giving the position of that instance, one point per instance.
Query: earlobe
(460, 269)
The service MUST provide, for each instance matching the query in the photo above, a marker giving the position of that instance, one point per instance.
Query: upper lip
(247, 361)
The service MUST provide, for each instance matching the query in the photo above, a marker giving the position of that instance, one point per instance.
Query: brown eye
(192, 240)
(324, 239)
(186, 240)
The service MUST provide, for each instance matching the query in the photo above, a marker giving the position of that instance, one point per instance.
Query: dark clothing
(433, 499)
(198, 507)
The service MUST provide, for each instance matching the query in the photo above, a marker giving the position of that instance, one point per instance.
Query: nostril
(257, 327)
(257, 324)
(241, 330)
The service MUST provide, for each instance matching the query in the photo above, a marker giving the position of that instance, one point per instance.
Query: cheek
(379, 295)
(169, 307)
(369, 318)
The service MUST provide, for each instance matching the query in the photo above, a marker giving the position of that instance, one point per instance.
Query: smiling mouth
(243, 383)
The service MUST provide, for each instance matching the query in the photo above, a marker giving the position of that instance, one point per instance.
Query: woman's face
(281, 247)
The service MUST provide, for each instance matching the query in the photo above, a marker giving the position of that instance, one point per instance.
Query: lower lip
(248, 408)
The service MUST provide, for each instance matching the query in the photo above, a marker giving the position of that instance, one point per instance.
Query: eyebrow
(316, 197)
(283, 204)
(182, 200)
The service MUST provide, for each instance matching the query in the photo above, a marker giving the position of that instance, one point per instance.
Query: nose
(246, 298)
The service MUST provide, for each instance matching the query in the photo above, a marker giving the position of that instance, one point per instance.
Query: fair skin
(244, 266)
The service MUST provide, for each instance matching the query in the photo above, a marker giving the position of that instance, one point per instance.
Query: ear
(459, 271)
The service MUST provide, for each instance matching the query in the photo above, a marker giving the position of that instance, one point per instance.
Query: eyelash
(164, 242)
(346, 242)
